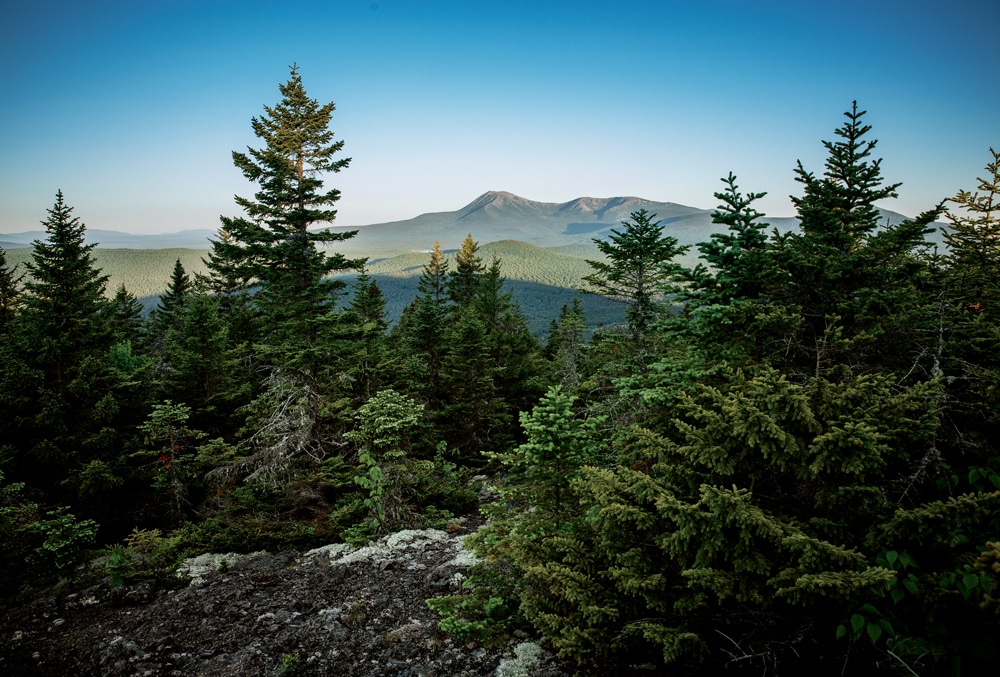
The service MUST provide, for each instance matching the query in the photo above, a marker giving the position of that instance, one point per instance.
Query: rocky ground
(337, 610)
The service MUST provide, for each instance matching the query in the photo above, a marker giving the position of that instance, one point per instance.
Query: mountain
(491, 217)
(569, 226)
(113, 239)
(499, 215)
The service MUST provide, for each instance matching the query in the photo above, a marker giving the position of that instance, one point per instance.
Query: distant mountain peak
(499, 199)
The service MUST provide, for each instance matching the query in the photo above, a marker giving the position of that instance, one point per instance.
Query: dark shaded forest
(784, 458)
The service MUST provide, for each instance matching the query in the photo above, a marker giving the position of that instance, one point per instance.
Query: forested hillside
(783, 458)
(540, 279)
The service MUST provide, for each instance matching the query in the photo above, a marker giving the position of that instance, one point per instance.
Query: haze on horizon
(133, 109)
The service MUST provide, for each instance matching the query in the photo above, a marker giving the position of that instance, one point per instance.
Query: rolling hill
(542, 245)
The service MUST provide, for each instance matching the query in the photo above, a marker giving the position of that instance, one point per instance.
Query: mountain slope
(491, 217)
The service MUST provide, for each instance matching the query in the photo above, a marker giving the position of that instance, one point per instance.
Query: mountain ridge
(492, 216)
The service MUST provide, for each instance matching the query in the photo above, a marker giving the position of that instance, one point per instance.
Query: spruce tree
(64, 297)
(9, 292)
(463, 282)
(172, 300)
(277, 247)
(65, 336)
(637, 271)
(126, 315)
(428, 320)
(165, 317)
(301, 338)
(846, 286)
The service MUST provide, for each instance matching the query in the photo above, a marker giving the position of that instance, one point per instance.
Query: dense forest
(785, 456)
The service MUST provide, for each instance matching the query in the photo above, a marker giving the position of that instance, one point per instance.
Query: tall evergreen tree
(273, 244)
(177, 291)
(732, 255)
(638, 268)
(463, 282)
(428, 319)
(9, 292)
(66, 336)
(166, 316)
(126, 315)
(65, 297)
(846, 282)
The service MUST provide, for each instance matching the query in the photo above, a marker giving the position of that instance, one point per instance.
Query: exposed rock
(335, 610)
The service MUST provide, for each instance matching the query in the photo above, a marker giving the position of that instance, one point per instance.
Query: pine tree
(463, 282)
(275, 243)
(126, 316)
(9, 292)
(848, 286)
(165, 316)
(65, 336)
(274, 246)
(637, 271)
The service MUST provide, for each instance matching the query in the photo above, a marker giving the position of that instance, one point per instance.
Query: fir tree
(637, 270)
(165, 316)
(64, 297)
(275, 243)
(126, 315)
(177, 291)
(463, 282)
(429, 316)
(65, 334)
(9, 292)
(847, 285)
(274, 246)
(733, 255)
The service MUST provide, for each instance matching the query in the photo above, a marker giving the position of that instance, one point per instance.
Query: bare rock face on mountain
(336, 610)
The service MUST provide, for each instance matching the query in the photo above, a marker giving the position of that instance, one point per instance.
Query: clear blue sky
(133, 108)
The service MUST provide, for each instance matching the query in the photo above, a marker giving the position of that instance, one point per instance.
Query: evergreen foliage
(9, 292)
(126, 315)
(274, 246)
(64, 336)
(637, 270)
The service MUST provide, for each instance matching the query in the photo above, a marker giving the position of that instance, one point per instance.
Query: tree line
(786, 456)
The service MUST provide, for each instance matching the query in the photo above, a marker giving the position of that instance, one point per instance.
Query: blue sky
(133, 108)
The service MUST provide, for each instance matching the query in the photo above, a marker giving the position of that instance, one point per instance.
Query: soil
(338, 610)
